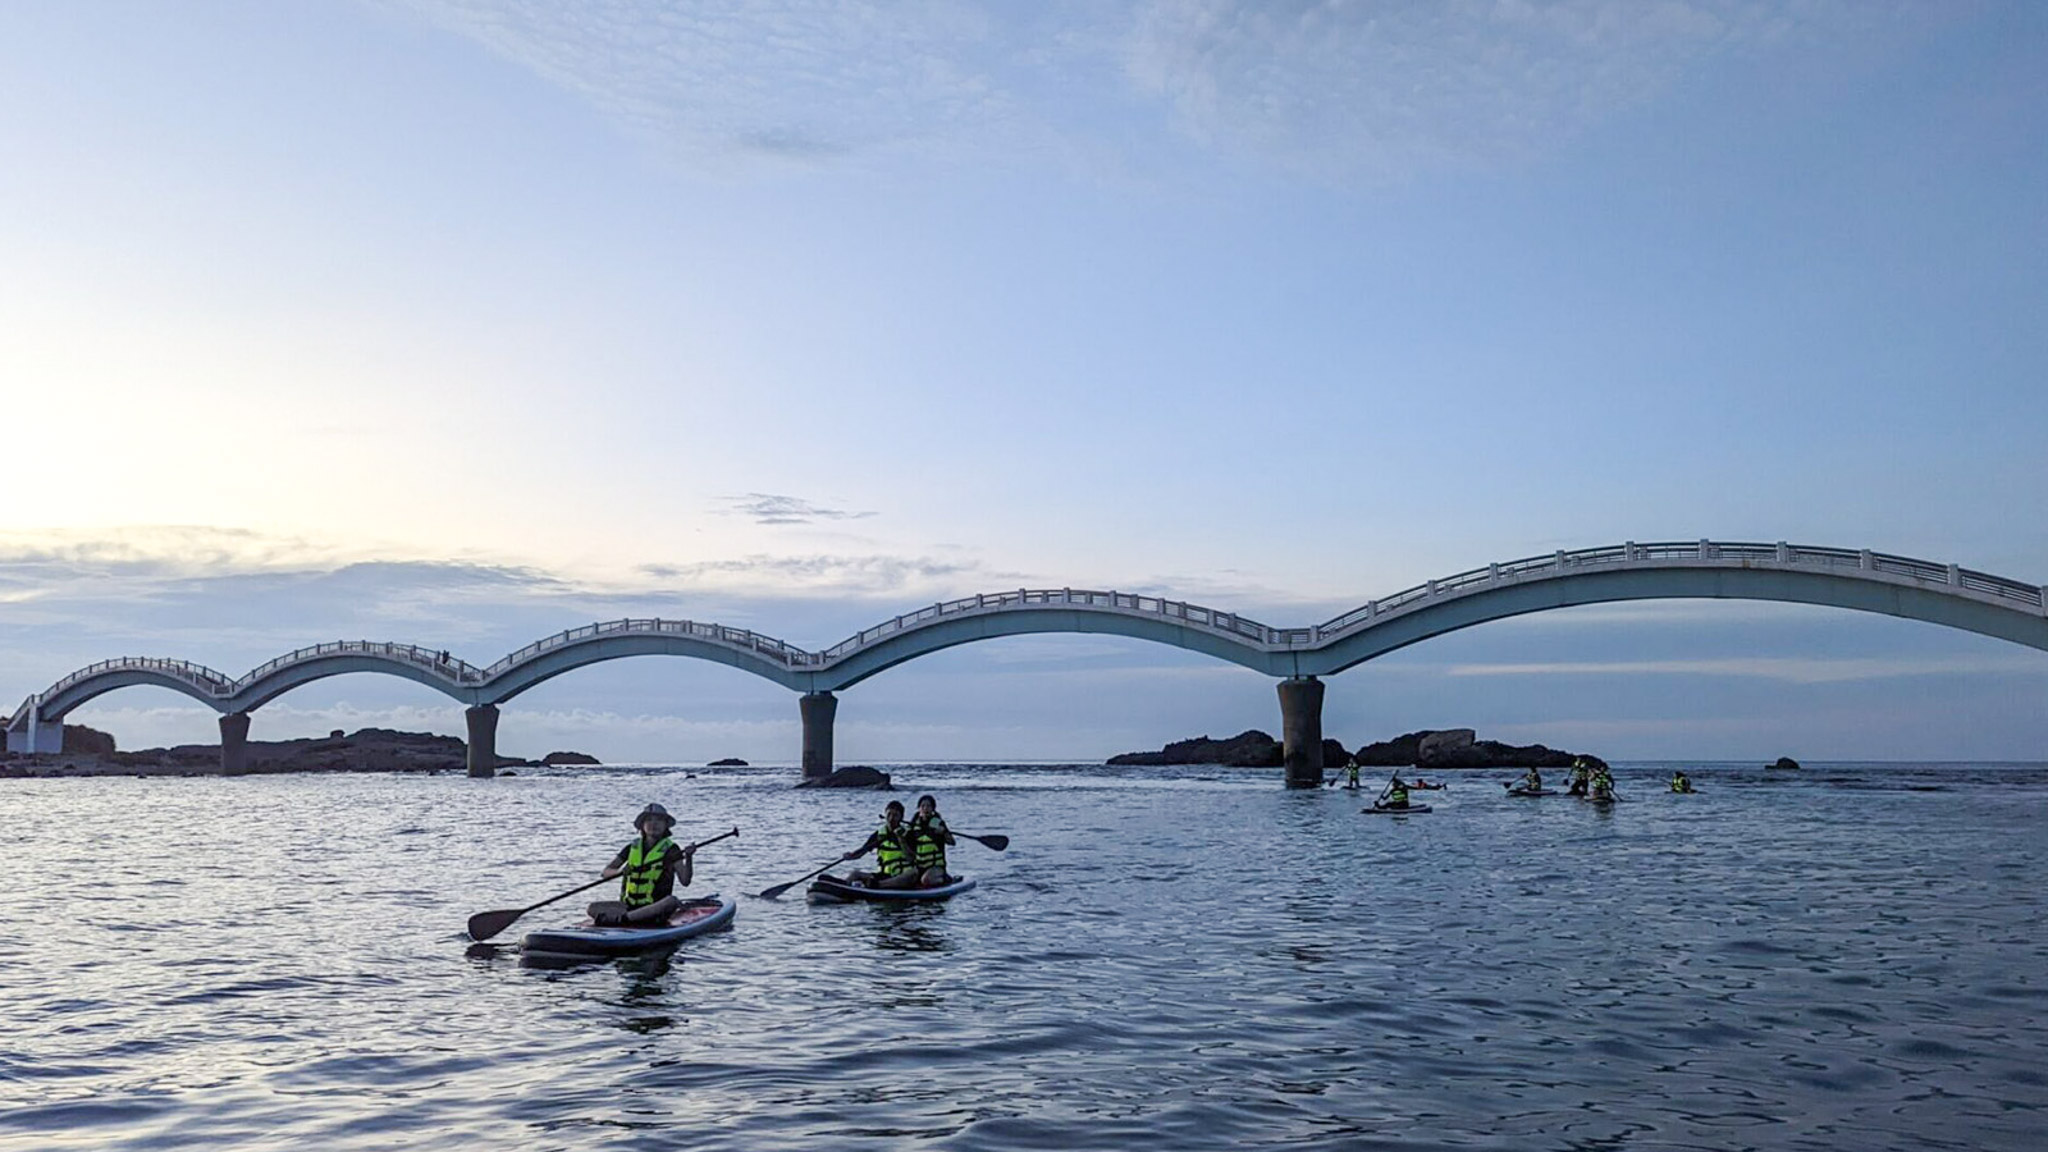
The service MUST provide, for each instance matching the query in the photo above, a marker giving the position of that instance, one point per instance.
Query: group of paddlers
(908, 854)
(1589, 780)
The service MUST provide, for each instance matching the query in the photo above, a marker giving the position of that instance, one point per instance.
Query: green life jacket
(928, 844)
(892, 856)
(643, 870)
(1397, 797)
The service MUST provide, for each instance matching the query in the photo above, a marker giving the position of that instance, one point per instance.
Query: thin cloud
(1328, 88)
(765, 508)
(853, 575)
(1791, 670)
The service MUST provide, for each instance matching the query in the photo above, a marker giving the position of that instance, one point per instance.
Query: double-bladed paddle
(485, 925)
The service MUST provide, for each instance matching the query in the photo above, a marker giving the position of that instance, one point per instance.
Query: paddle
(779, 889)
(995, 840)
(485, 925)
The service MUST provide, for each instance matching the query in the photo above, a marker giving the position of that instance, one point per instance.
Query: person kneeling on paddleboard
(892, 848)
(928, 840)
(1680, 782)
(652, 867)
(1532, 780)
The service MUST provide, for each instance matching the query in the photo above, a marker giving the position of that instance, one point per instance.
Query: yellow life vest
(643, 870)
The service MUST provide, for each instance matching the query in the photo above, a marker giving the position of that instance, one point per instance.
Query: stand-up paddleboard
(1532, 792)
(1381, 810)
(594, 941)
(833, 890)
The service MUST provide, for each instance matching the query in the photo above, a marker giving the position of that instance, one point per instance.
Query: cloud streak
(763, 508)
(1334, 88)
(1785, 669)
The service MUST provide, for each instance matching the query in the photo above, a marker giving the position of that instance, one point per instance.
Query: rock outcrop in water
(728, 762)
(575, 759)
(1786, 762)
(1248, 749)
(1460, 748)
(366, 750)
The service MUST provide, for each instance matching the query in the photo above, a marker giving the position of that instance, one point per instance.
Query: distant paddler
(1680, 782)
(1531, 781)
(1581, 778)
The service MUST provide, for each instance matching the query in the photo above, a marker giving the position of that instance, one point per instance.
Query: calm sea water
(1852, 956)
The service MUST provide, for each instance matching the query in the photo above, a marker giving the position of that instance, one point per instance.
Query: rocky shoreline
(365, 750)
(1431, 748)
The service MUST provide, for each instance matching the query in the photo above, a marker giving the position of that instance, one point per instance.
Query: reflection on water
(1851, 957)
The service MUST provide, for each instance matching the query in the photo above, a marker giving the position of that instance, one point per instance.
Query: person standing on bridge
(652, 867)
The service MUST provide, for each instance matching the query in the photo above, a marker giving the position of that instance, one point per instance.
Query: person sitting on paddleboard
(652, 866)
(1531, 781)
(1602, 785)
(1680, 782)
(929, 837)
(1396, 795)
(1581, 776)
(891, 845)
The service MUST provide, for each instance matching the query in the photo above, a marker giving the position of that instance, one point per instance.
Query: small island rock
(1786, 762)
(558, 759)
(728, 762)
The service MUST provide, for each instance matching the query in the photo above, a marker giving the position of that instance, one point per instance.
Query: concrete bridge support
(1301, 730)
(483, 740)
(234, 744)
(818, 709)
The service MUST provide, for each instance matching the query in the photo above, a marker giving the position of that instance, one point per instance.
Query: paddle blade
(779, 889)
(995, 840)
(485, 925)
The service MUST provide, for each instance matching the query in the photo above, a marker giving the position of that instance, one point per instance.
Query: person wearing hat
(652, 866)
(892, 847)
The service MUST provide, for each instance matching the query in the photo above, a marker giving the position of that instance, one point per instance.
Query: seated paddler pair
(908, 854)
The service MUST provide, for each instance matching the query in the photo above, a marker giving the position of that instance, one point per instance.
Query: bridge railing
(1742, 552)
(433, 660)
(1179, 610)
(198, 675)
(787, 654)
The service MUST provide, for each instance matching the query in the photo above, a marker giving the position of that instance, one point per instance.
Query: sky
(461, 322)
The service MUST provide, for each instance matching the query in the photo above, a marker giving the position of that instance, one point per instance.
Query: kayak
(1532, 791)
(1410, 810)
(694, 918)
(833, 890)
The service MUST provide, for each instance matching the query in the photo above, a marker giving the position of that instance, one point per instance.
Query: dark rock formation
(728, 762)
(855, 777)
(1251, 749)
(83, 741)
(1785, 762)
(1457, 748)
(557, 759)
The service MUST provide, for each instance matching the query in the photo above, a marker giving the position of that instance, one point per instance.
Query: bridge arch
(1857, 591)
(523, 670)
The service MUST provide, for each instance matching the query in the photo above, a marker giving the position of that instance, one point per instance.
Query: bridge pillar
(234, 744)
(818, 709)
(483, 740)
(1301, 731)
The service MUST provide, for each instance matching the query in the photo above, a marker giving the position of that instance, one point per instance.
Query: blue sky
(460, 322)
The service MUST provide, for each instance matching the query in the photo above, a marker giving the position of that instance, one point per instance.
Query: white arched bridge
(1945, 594)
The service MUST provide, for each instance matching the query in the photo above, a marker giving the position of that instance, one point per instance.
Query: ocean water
(1850, 956)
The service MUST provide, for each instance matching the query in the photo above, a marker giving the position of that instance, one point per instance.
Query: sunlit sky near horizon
(459, 322)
